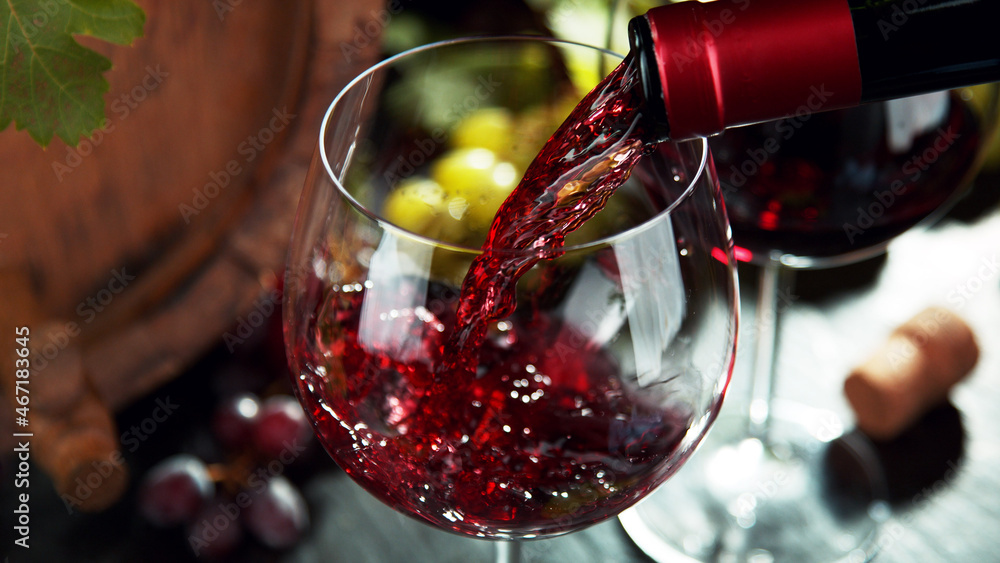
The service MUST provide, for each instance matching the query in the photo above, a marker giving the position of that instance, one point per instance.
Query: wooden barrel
(131, 254)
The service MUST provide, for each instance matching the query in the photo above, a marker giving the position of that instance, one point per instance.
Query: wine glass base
(805, 494)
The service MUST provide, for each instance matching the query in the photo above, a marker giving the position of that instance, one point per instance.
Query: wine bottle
(709, 66)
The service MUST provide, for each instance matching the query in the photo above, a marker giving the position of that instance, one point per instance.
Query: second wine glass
(779, 481)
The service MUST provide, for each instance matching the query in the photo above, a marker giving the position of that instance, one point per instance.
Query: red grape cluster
(217, 503)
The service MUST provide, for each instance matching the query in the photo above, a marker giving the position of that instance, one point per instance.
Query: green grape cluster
(457, 197)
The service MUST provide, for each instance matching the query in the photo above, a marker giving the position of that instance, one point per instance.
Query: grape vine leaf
(49, 83)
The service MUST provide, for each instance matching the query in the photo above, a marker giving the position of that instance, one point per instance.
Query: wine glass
(810, 192)
(616, 357)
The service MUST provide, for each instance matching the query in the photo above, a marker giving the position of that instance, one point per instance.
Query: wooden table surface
(835, 319)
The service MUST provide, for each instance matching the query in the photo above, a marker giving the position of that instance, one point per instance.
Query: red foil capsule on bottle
(728, 63)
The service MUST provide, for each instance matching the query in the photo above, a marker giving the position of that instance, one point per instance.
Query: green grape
(416, 205)
(493, 194)
(488, 128)
(475, 183)
(462, 171)
(983, 101)
(453, 226)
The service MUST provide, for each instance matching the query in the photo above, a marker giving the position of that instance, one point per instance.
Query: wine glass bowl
(810, 191)
(834, 188)
(591, 392)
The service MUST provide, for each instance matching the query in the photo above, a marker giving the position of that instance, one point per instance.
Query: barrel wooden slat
(98, 238)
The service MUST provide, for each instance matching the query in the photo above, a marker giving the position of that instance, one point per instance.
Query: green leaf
(49, 83)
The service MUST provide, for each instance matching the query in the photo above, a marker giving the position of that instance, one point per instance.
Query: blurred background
(147, 263)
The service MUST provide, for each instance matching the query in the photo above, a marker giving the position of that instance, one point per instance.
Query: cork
(911, 372)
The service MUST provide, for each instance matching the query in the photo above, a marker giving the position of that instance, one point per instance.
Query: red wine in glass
(831, 184)
(543, 437)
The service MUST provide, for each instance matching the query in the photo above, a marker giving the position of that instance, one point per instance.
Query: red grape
(278, 514)
(234, 420)
(281, 425)
(175, 490)
(216, 532)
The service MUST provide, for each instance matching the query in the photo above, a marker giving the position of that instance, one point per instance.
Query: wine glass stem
(508, 551)
(766, 347)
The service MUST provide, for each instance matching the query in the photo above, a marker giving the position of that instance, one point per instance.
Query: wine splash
(586, 159)
(538, 443)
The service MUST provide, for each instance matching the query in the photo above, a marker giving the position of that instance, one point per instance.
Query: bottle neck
(726, 63)
(915, 46)
(643, 49)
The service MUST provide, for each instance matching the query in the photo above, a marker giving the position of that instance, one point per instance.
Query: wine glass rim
(387, 224)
